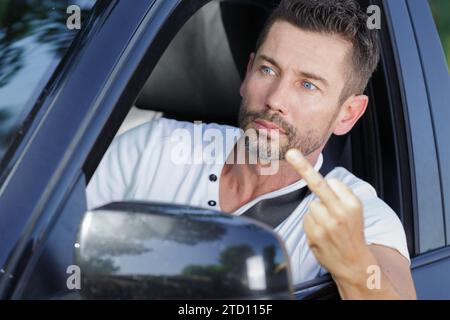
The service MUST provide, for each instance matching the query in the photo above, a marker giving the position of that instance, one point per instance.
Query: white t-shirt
(152, 162)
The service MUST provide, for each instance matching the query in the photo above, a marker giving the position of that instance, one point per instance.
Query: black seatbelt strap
(275, 210)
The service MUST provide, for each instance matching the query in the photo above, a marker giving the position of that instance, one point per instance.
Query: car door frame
(432, 264)
(102, 66)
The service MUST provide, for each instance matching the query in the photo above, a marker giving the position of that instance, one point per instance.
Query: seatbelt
(275, 210)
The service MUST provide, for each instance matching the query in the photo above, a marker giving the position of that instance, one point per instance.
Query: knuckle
(303, 166)
(314, 206)
(340, 221)
(340, 212)
(318, 183)
(354, 204)
(318, 234)
(333, 225)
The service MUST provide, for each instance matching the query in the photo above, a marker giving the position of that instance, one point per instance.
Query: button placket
(212, 190)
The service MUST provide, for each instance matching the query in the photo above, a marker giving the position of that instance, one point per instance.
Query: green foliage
(441, 13)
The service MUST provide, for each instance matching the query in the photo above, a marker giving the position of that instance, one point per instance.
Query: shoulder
(363, 190)
(358, 186)
(163, 128)
(184, 142)
(160, 127)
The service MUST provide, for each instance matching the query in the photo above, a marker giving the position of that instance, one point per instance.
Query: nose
(277, 97)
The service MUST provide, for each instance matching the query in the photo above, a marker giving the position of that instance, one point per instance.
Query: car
(65, 93)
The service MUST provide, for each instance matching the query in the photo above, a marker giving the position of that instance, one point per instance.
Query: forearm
(361, 283)
(352, 291)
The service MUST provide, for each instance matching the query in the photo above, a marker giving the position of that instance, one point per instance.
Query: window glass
(34, 37)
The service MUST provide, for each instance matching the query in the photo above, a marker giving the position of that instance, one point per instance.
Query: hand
(334, 224)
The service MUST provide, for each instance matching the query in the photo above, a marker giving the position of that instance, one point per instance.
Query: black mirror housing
(139, 250)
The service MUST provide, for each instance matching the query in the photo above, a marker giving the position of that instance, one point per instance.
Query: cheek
(255, 92)
(311, 115)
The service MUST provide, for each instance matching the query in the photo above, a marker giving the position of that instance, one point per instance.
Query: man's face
(294, 82)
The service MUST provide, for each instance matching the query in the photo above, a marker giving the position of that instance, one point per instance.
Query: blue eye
(267, 70)
(309, 86)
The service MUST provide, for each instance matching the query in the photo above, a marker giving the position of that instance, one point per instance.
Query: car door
(33, 44)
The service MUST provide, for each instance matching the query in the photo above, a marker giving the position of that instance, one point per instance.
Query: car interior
(198, 78)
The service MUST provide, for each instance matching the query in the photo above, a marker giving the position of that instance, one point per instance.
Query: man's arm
(384, 274)
(334, 228)
(116, 170)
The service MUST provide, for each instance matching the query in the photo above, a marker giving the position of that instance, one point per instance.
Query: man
(304, 82)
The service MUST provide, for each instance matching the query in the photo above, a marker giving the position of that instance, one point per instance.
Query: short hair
(338, 17)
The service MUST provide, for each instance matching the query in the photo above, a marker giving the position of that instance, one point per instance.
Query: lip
(263, 124)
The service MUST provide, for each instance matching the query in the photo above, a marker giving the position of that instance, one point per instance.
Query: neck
(248, 181)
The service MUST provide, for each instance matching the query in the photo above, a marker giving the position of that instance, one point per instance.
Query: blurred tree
(441, 13)
(28, 27)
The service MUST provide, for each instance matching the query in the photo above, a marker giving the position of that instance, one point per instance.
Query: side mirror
(138, 250)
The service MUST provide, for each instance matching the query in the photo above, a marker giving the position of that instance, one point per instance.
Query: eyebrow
(306, 74)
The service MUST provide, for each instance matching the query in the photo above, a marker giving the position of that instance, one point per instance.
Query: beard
(271, 147)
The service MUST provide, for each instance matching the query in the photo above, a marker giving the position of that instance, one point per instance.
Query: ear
(351, 110)
(247, 73)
